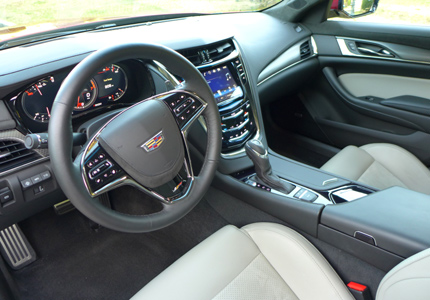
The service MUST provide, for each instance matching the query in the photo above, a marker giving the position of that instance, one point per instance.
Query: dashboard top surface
(249, 29)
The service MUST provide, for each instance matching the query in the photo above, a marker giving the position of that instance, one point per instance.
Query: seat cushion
(259, 261)
(408, 280)
(381, 166)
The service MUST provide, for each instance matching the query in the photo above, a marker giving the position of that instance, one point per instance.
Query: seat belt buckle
(359, 291)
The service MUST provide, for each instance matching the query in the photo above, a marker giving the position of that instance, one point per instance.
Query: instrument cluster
(107, 86)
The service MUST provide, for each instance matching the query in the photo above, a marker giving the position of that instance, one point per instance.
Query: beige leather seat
(270, 261)
(381, 166)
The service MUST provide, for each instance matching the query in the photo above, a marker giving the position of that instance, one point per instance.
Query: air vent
(13, 154)
(305, 50)
(208, 54)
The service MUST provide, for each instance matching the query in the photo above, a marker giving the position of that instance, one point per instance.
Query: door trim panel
(385, 86)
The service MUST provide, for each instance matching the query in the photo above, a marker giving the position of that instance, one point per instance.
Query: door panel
(372, 90)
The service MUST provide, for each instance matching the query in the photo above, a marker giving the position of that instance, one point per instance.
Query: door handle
(380, 53)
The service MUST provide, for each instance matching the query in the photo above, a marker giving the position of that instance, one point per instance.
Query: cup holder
(349, 193)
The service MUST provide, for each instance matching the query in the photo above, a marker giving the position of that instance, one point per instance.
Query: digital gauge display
(222, 84)
(108, 85)
(112, 82)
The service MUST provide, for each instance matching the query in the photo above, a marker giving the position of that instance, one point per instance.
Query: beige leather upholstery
(259, 261)
(408, 280)
(381, 166)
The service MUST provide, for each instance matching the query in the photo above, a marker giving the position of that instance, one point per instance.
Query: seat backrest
(408, 280)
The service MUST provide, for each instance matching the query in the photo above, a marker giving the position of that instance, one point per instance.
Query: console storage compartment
(383, 228)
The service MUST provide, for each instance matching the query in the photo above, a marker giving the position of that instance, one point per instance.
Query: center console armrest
(395, 221)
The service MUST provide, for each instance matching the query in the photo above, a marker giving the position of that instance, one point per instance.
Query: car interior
(273, 154)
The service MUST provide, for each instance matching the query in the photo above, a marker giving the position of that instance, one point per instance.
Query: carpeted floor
(76, 262)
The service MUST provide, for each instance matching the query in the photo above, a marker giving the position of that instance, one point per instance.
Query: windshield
(26, 17)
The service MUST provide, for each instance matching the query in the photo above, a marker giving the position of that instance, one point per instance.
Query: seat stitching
(307, 252)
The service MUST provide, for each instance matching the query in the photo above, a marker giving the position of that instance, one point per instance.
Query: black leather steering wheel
(144, 146)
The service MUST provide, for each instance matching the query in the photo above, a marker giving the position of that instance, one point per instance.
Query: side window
(408, 12)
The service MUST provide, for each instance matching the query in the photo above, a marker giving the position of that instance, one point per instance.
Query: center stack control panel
(229, 83)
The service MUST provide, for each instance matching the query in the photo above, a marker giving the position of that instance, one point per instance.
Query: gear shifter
(258, 154)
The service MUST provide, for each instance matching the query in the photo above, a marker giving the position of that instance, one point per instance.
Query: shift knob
(258, 154)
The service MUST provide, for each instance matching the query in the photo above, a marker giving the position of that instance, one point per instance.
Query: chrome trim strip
(314, 50)
(346, 52)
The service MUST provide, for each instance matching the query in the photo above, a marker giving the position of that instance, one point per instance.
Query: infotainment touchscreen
(222, 84)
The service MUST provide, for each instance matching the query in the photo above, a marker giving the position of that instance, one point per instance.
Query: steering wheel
(144, 146)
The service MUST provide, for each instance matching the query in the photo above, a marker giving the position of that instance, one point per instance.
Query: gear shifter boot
(258, 154)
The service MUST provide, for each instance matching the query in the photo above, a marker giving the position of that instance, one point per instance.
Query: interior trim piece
(346, 52)
(385, 86)
(287, 60)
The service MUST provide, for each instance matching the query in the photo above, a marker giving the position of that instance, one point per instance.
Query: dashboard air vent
(13, 154)
(207, 54)
(305, 50)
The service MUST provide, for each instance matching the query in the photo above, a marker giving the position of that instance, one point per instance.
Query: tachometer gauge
(87, 96)
(112, 82)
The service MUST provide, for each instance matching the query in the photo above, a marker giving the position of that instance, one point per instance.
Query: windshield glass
(25, 17)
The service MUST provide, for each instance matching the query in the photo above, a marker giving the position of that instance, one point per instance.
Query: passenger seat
(381, 166)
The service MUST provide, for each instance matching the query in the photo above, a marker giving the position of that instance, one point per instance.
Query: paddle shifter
(258, 154)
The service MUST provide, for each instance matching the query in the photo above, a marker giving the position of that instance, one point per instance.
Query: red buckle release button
(356, 286)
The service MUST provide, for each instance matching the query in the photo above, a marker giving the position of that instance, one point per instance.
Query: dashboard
(227, 55)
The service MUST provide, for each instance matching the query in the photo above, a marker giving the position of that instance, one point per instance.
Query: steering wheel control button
(102, 173)
(183, 106)
(100, 169)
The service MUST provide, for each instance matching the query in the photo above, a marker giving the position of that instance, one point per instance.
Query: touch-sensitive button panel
(100, 169)
(237, 126)
(183, 106)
